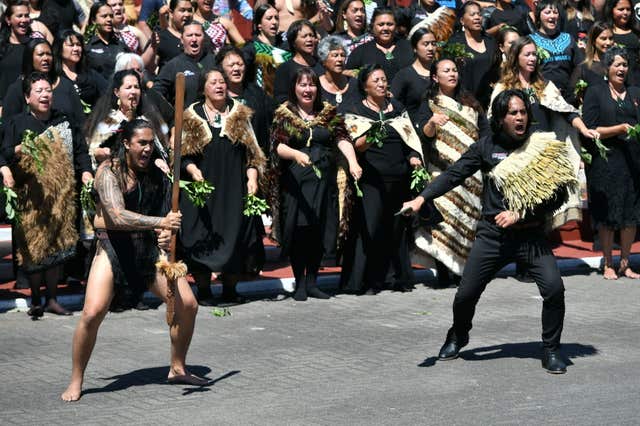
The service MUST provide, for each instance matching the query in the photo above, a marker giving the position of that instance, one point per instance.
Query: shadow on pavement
(157, 376)
(518, 350)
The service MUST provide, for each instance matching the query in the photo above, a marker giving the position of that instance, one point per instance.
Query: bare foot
(187, 379)
(609, 273)
(629, 273)
(73, 392)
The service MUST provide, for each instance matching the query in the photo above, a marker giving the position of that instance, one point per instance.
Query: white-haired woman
(335, 86)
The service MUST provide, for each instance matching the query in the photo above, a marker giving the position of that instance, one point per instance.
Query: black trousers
(494, 248)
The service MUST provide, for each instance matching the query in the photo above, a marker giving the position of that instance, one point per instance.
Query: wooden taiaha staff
(169, 267)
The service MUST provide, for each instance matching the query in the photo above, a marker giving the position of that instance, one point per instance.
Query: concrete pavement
(350, 360)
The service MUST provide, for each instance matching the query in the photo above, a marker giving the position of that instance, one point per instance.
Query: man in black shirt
(193, 62)
(502, 235)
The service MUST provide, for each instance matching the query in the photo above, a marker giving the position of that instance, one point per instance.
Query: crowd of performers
(338, 127)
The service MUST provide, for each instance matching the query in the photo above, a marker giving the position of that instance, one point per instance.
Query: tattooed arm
(117, 217)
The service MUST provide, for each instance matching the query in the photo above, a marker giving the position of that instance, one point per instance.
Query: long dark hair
(293, 99)
(109, 102)
(151, 179)
(5, 30)
(93, 12)
(27, 58)
(460, 95)
(500, 108)
(257, 16)
(58, 44)
(608, 15)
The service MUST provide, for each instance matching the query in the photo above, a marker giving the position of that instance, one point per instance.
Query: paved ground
(350, 360)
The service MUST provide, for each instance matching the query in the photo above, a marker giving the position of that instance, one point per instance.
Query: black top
(480, 72)
(17, 125)
(59, 15)
(563, 56)
(65, 100)
(89, 85)
(11, 67)
(511, 16)
(400, 57)
(483, 155)
(410, 89)
(263, 107)
(102, 57)
(192, 68)
(284, 78)
(351, 95)
(631, 42)
(578, 28)
(592, 76)
(169, 47)
(391, 162)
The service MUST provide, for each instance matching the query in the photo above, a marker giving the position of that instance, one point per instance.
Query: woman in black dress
(169, 39)
(480, 70)
(579, 21)
(620, 15)
(219, 146)
(591, 71)
(239, 87)
(558, 52)
(410, 84)
(614, 181)
(335, 87)
(70, 63)
(263, 54)
(386, 49)
(303, 40)
(38, 57)
(104, 44)
(305, 138)
(388, 149)
(46, 236)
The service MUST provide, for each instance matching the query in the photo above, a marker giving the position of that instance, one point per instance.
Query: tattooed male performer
(128, 217)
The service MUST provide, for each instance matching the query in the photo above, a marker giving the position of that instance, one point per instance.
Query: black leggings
(306, 253)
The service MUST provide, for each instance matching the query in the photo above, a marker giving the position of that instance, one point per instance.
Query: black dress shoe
(552, 362)
(316, 293)
(451, 348)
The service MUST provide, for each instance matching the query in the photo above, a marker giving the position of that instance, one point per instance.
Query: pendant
(389, 55)
(339, 98)
(217, 121)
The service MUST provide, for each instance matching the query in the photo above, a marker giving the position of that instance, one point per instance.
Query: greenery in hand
(197, 191)
(419, 179)
(316, 170)
(581, 86)
(86, 198)
(35, 147)
(86, 108)
(254, 205)
(602, 151)
(542, 53)
(634, 132)
(358, 190)
(11, 208)
(585, 156)
(454, 51)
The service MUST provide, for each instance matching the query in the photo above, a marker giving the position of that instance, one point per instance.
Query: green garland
(254, 205)
(35, 147)
(376, 134)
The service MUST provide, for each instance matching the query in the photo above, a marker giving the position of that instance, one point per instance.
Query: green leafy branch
(86, 198)
(376, 134)
(86, 108)
(581, 86)
(35, 147)
(254, 205)
(197, 191)
(221, 312)
(454, 51)
(419, 179)
(90, 31)
(11, 206)
(358, 190)
(542, 54)
(602, 151)
(316, 170)
(634, 132)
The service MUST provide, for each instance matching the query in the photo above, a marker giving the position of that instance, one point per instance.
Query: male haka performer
(129, 214)
(525, 179)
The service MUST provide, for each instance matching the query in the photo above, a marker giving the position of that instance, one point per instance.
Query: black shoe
(552, 362)
(316, 293)
(300, 294)
(35, 312)
(451, 348)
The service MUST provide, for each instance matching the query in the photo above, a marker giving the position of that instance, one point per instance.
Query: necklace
(380, 111)
(388, 51)
(337, 91)
(306, 117)
(216, 122)
(619, 96)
